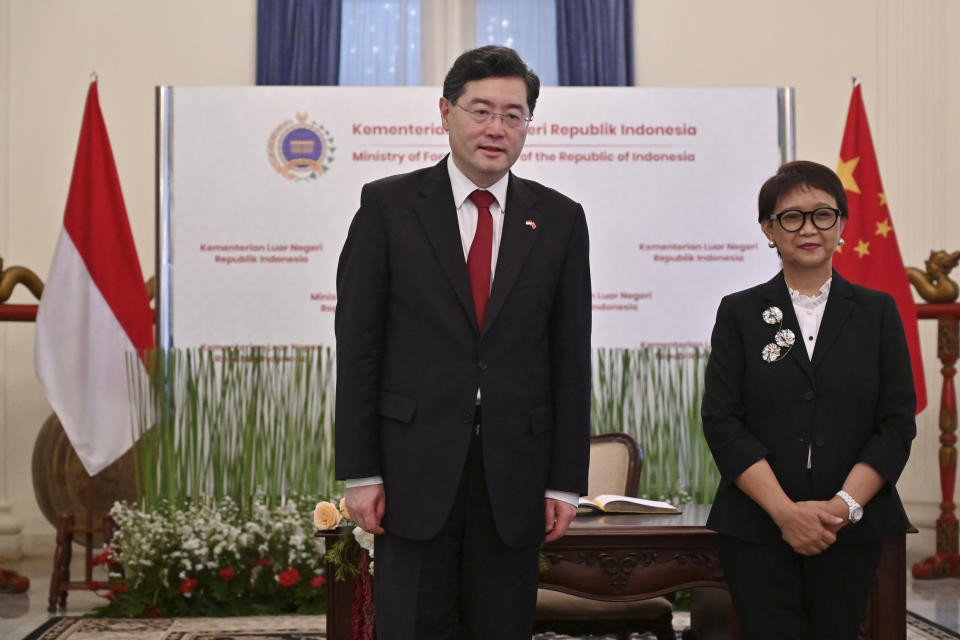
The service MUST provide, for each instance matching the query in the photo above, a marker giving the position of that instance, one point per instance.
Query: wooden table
(630, 557)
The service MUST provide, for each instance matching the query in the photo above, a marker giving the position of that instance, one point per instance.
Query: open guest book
(608, 503)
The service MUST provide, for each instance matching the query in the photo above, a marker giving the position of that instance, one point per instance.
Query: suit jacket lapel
(438, 216)
(775, 293)
(515, 242)
(839, 306)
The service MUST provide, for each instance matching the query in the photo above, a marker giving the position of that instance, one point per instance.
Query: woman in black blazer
(808, 410)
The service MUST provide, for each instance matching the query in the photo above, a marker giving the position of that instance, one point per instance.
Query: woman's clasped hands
(810, 527)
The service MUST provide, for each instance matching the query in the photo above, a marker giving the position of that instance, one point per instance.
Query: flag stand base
(941, 565)
(60, 582)
(945, 563)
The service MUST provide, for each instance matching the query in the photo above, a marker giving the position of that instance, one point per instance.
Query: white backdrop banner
(264, 182)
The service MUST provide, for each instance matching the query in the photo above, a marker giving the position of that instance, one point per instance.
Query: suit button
(468, 417)
(819, 441)
(802, 440)
(483, 365)
(809, 395)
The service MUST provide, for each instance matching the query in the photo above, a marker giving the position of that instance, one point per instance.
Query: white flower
(206, 535)
(364, 539)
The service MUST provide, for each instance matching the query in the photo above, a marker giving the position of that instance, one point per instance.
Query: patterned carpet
(239, 628)
(300, 628)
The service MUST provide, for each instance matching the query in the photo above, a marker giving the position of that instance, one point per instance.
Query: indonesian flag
(94, 308)
(871, 256)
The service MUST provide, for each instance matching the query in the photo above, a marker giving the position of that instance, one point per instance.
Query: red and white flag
(871, 256)
(94, 308)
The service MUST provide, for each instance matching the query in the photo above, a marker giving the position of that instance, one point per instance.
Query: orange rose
(343, 509)
(326, 516)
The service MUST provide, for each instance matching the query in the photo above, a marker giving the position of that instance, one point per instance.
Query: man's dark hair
(491, 61)
(795, 175)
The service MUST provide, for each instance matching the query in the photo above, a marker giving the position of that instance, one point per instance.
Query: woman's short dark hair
(794, 175)
(491, 61)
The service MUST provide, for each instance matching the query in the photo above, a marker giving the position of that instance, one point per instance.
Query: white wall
(900, 49)
(47, 50)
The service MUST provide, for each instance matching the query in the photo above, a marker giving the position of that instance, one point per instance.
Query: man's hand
(559, 515)
(809, 527)
(366, 505)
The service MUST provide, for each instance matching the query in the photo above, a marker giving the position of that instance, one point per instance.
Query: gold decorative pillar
(9, 278)
(940, 292)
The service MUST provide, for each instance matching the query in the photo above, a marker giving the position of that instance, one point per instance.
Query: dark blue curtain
(595, 42)
(298, 41)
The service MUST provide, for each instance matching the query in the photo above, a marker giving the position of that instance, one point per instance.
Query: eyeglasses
(792, 220)
(511, 120)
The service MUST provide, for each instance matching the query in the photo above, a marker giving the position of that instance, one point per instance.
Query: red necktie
(478, 260)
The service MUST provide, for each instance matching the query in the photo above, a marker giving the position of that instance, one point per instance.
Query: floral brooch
(782, 339)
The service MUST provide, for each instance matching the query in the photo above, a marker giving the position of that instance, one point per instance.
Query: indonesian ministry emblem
(300, 150)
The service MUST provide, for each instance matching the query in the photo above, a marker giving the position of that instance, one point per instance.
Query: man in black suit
(462, 286)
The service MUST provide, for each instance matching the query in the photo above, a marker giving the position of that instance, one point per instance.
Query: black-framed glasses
(483, 116)
(823, 218)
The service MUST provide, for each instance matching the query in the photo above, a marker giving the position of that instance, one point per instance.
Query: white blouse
(809, 315)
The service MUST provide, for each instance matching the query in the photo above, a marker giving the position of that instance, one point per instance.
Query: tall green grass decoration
(654, 395)
(234, 424)
(259, 420)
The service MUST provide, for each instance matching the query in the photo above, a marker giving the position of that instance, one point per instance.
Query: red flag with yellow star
(871, 256)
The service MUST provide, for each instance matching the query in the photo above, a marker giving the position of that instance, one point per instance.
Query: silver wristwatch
(856, 511)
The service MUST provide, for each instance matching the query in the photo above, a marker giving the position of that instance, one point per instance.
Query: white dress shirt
(467, 220)
(809, 315)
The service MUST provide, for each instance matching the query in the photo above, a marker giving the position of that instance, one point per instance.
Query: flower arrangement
(225, 438)
(344, 553)
(352, 556)
(209, 559)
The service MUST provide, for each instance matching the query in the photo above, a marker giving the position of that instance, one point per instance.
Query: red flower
(102, 558)
(317, 582)
(227, 574)
(93, 585)
(120, 587)
(188, 585)
(289, 577)
(153, 611)
(261, 562)
(111, 596)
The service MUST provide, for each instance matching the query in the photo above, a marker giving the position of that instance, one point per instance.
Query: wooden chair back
(615, 464)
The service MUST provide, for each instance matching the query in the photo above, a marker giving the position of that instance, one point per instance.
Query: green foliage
(342, 555)
(260, 420)
(654, 395)
(234, 424)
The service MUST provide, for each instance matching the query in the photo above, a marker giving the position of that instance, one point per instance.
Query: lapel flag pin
(531, 224)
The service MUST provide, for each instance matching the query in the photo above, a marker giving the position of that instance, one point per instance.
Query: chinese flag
(871, 256)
